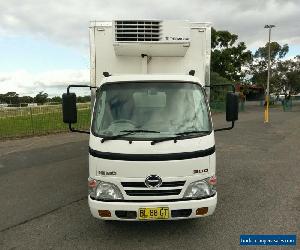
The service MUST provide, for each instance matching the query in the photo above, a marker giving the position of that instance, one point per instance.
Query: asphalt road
(43, 194)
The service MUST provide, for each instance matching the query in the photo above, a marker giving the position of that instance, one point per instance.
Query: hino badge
(152, 147)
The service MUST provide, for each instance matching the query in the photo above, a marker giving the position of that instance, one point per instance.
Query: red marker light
(212, 180)
(92, 183)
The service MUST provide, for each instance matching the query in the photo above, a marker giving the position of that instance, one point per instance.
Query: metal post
(31, 121)
(267, 99)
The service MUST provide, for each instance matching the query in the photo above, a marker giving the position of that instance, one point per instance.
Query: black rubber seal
(152, 157)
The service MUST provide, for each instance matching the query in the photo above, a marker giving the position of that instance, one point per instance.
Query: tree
(288, 75)
(56, 99)
(26, 99)
(277, 52)
(41, 97)
(218, 93)
(10, 98)
(228, 57)
(259, 67)
(216, 79)
(82, 99)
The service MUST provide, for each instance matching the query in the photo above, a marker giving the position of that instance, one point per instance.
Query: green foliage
(259, 67)
(41, 97)
(277, 52)
(28, 121)
(82, 99)
(216, 79)
(228, 56)
(222, 38)
(10, 98)
(25, 99)
(287, 75)
(294, 81)
(56, 99)
(14, 98)
(218, 93)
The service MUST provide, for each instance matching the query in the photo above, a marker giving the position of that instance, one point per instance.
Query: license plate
(154, 213)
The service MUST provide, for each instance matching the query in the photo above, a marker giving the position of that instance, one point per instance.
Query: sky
(44, 45)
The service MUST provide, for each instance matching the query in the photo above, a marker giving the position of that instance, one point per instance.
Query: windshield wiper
(194, 132)
(128, 132)
(180, 136)
(140, 131)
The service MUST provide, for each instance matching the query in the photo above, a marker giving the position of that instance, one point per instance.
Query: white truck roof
(150, 77)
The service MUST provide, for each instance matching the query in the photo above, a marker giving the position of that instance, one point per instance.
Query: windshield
(152, 109)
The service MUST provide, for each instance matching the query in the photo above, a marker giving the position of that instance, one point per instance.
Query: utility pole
(267, 98)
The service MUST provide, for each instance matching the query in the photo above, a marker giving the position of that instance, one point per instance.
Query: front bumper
(133, 207)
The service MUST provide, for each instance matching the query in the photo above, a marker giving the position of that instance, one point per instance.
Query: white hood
(119, 159)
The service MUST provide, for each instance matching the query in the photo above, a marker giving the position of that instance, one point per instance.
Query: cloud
(67, 21)
(52, 82)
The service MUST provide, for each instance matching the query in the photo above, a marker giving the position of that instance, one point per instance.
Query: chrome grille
(140, 188)
(134, 31)
(164, 184)
(151, 192)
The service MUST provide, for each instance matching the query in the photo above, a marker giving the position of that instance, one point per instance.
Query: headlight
(201, 189)
(104, 190)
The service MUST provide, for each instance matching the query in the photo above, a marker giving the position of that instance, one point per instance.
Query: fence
(220, 106)
(218, 98)
(285, 104)
(292, 104)
(27, 121)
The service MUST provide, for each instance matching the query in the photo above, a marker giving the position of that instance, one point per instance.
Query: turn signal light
(202, 211)
(104, 213)
(92, 183)
(212, 180)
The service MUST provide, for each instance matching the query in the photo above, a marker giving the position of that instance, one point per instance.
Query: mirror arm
(78, 86)
(228, 128)
(76, 130)
(233, 90)
(68, 92)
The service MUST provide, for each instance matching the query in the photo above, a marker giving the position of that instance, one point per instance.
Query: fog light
(202, 211)
(104, 213)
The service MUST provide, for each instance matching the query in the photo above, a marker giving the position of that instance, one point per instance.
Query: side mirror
(69, 108)
(232, 107)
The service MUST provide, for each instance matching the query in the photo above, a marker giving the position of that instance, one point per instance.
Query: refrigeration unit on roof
(151, 37)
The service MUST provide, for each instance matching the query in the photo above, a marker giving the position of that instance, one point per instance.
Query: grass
(22, 122)
(41, 120)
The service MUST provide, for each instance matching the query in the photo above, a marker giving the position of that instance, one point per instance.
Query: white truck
(152, 147)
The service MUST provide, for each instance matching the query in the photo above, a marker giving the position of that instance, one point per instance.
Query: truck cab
(152, 148)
